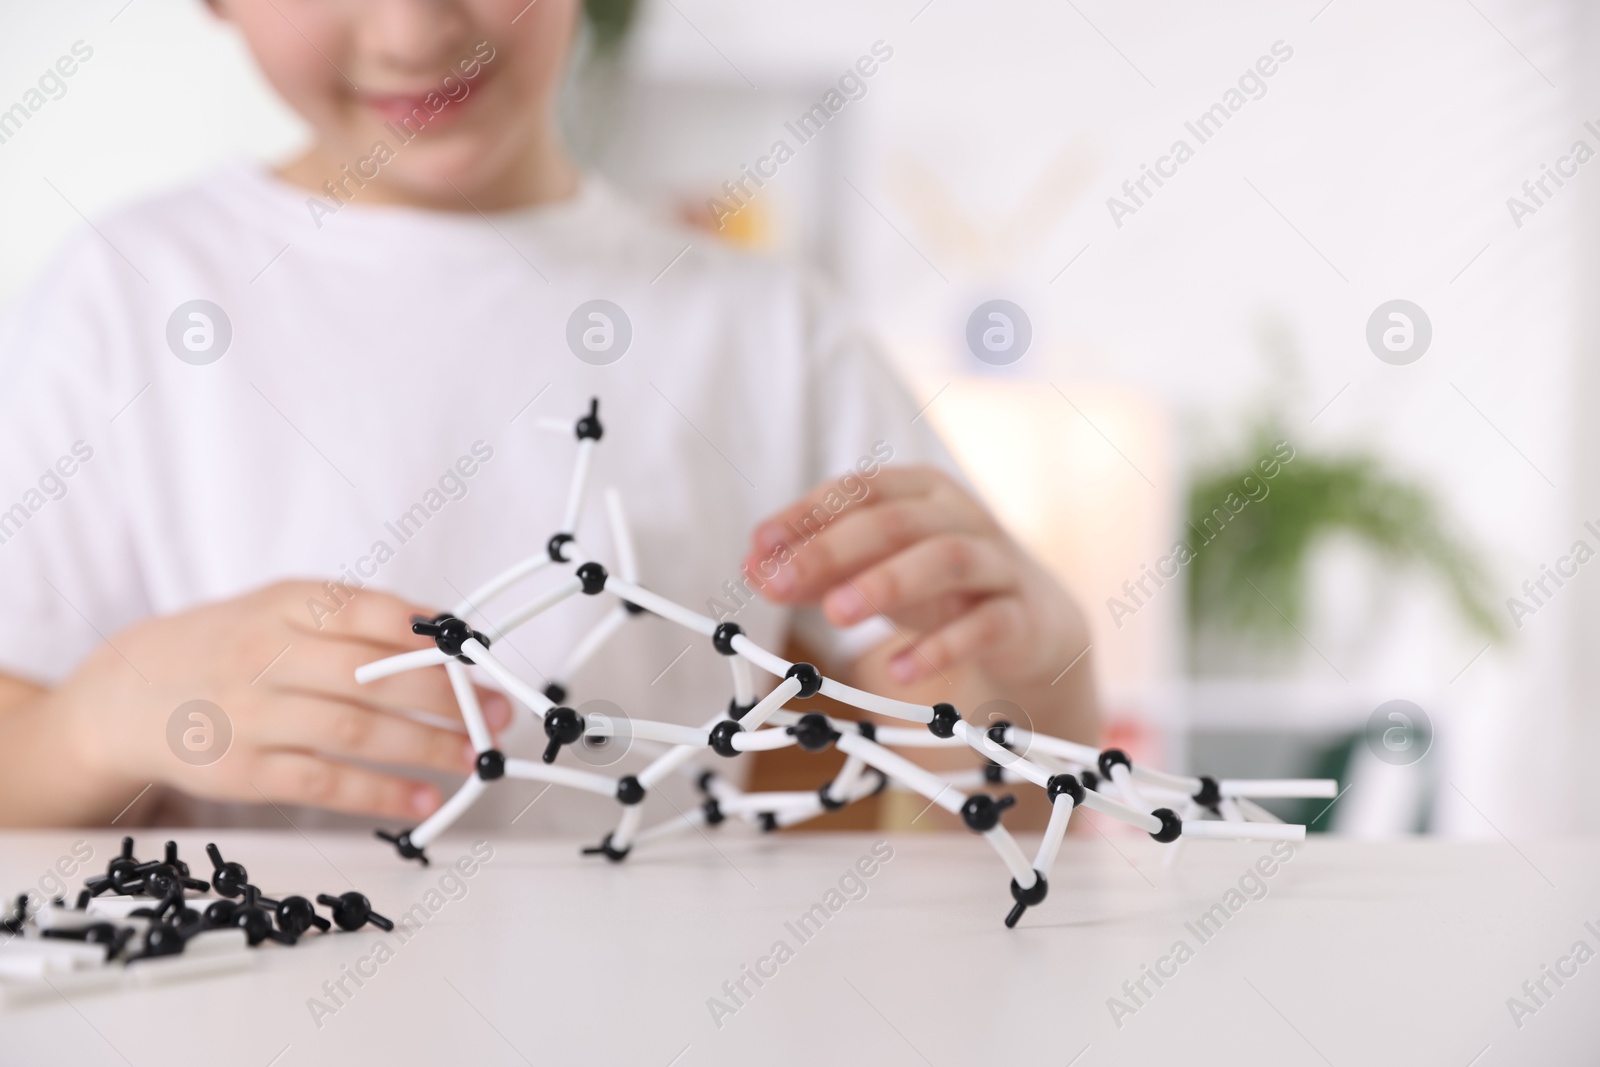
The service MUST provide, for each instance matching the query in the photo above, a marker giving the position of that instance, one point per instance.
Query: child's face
(474, 80)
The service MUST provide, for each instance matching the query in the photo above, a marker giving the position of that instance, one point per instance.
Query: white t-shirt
(373, 359)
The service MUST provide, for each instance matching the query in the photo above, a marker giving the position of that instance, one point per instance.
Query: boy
(337, 370)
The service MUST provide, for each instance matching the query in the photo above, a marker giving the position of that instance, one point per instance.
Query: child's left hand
(919, 550)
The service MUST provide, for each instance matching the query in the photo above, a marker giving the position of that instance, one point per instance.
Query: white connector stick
(1133, 817)
(1055, 830)
(479, 598)
(1244, 831)
(781, 694)
(774, 665)
(761, 740)
(1300, 788)
(580, 482)
(622, 537)
(593, 641)
(467, 700)
(1011, 855)
(449, 811)
(1253, 811)
(519, 690)
(979, 740)
(1122, 777)
(898, 767)
(539, 605)
(704, 625)
(535, 771)
(744, 684)
(860, 698)
(405, 661)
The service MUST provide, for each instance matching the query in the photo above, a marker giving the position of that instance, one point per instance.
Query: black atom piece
(828, 803)
(867, 730)
(448, 632)
(633, 609)
(713, 812)
(943, 723)
(13, 923)
(115, 941)
(1025, 898)
(703, 782)
(722, 738)
(593, 576)
(562, 726)
(812, 732)
(1064, 783)
(296, 915)
(589, 428)
(220, 913)
(84, 896)
(161, 940)
(257, 926)
(228, 879)
(722, 637)
(1110, 758)
(993, 773)
(629, 791)
(113, 937)
(997, 733)
(491, 764)
(163, 881)
(736, 710)
(555, 693)
(1210, 794)
(176, 864)
(156, 913)
(556, 547)
(96, 932)
(981, 812)
(769, 822)
(604, 848)
(1091, 780)
(402, 844)
(123, 876)
(810, 679)
(1171, 825)
(352, 911)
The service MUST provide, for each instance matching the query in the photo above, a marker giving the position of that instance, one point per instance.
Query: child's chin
(444, 174)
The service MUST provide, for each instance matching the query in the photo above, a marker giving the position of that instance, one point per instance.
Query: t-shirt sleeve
(861, 414)
(67, 566)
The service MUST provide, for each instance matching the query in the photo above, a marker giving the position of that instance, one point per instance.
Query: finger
(929, 570)
(288, 777)
(355, 614)
(328, 667)
(341, 728)
(927, 617)
(990, 625)
(890, 483)
(803, 571)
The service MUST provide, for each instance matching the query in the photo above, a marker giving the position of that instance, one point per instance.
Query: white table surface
(1359, 953)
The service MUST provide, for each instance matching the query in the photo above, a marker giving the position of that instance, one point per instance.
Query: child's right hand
(288, 690)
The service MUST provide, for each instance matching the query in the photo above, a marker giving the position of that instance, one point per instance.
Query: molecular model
(1072, 775)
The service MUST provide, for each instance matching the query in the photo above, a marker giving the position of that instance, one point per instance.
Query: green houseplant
(1250, 579)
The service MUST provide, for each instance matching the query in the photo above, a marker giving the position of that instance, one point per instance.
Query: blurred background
(1206, 362)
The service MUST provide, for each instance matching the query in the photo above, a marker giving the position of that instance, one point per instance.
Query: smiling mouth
(398, 107)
